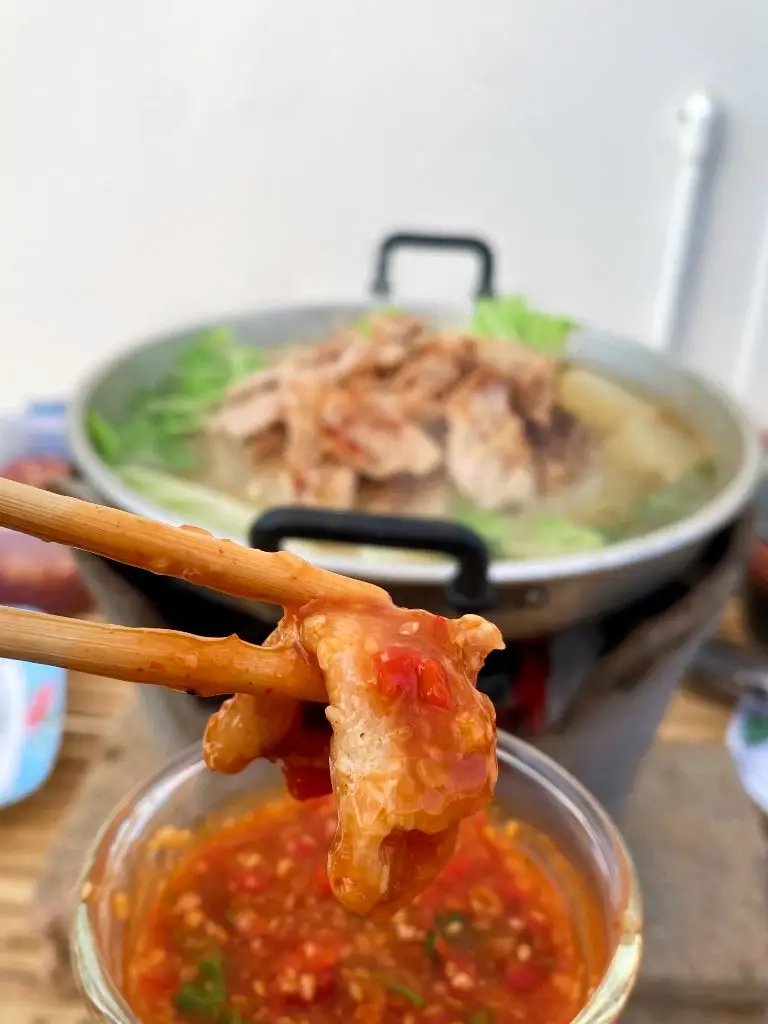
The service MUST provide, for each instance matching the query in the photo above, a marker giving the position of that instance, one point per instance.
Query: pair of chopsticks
(181, 661)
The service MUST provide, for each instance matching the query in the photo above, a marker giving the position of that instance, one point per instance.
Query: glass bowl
(561, 825)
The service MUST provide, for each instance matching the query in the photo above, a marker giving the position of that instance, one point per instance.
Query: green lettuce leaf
(512, 318)
(665, 505)
(197, 504)
(104, 437)
(546, 536)
(533, 536)
(161, 420)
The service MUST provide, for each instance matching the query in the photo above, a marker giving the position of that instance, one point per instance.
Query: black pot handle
(469, 591)
(414, 240)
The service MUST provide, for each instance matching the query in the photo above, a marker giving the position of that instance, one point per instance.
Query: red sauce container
(34, 573)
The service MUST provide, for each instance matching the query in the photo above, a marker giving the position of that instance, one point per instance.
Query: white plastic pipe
(696, 136)
(755, 330)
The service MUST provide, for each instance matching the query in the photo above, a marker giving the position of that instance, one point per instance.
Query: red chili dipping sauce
(244, 929)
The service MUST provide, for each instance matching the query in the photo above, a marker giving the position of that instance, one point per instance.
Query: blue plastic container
(32, 708)
(32, 697)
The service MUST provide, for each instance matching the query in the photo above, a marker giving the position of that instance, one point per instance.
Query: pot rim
(502, 572)
(605, 1002)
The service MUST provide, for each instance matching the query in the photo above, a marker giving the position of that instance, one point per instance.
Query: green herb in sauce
(451, 927)
(230, 1017)
(206, 995)
(413, 997)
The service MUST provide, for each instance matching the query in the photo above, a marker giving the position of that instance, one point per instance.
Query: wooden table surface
(28, 830)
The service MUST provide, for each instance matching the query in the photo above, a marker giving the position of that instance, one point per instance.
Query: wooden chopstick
(181, 661)
(187, 552)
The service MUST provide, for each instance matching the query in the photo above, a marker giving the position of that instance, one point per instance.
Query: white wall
(163, 160)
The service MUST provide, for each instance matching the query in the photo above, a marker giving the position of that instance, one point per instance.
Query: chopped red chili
(397, 670)
(304, 782)
(245, 928)
(404, 670)
(524, 977)
(433, 684)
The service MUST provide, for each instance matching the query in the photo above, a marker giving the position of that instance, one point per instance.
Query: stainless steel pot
(523, 597)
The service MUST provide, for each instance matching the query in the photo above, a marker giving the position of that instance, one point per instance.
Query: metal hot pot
(523, 597)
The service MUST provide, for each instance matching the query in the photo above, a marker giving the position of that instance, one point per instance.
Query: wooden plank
(27, 832)
(88, 725)
(81, 747)
(16, 931)
(19, 943)
(693, 719)
(27, 859)
(21, 962)
(39, 834)
(29, 1008)
(47, 801)
(16, 892)
(96, 699)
